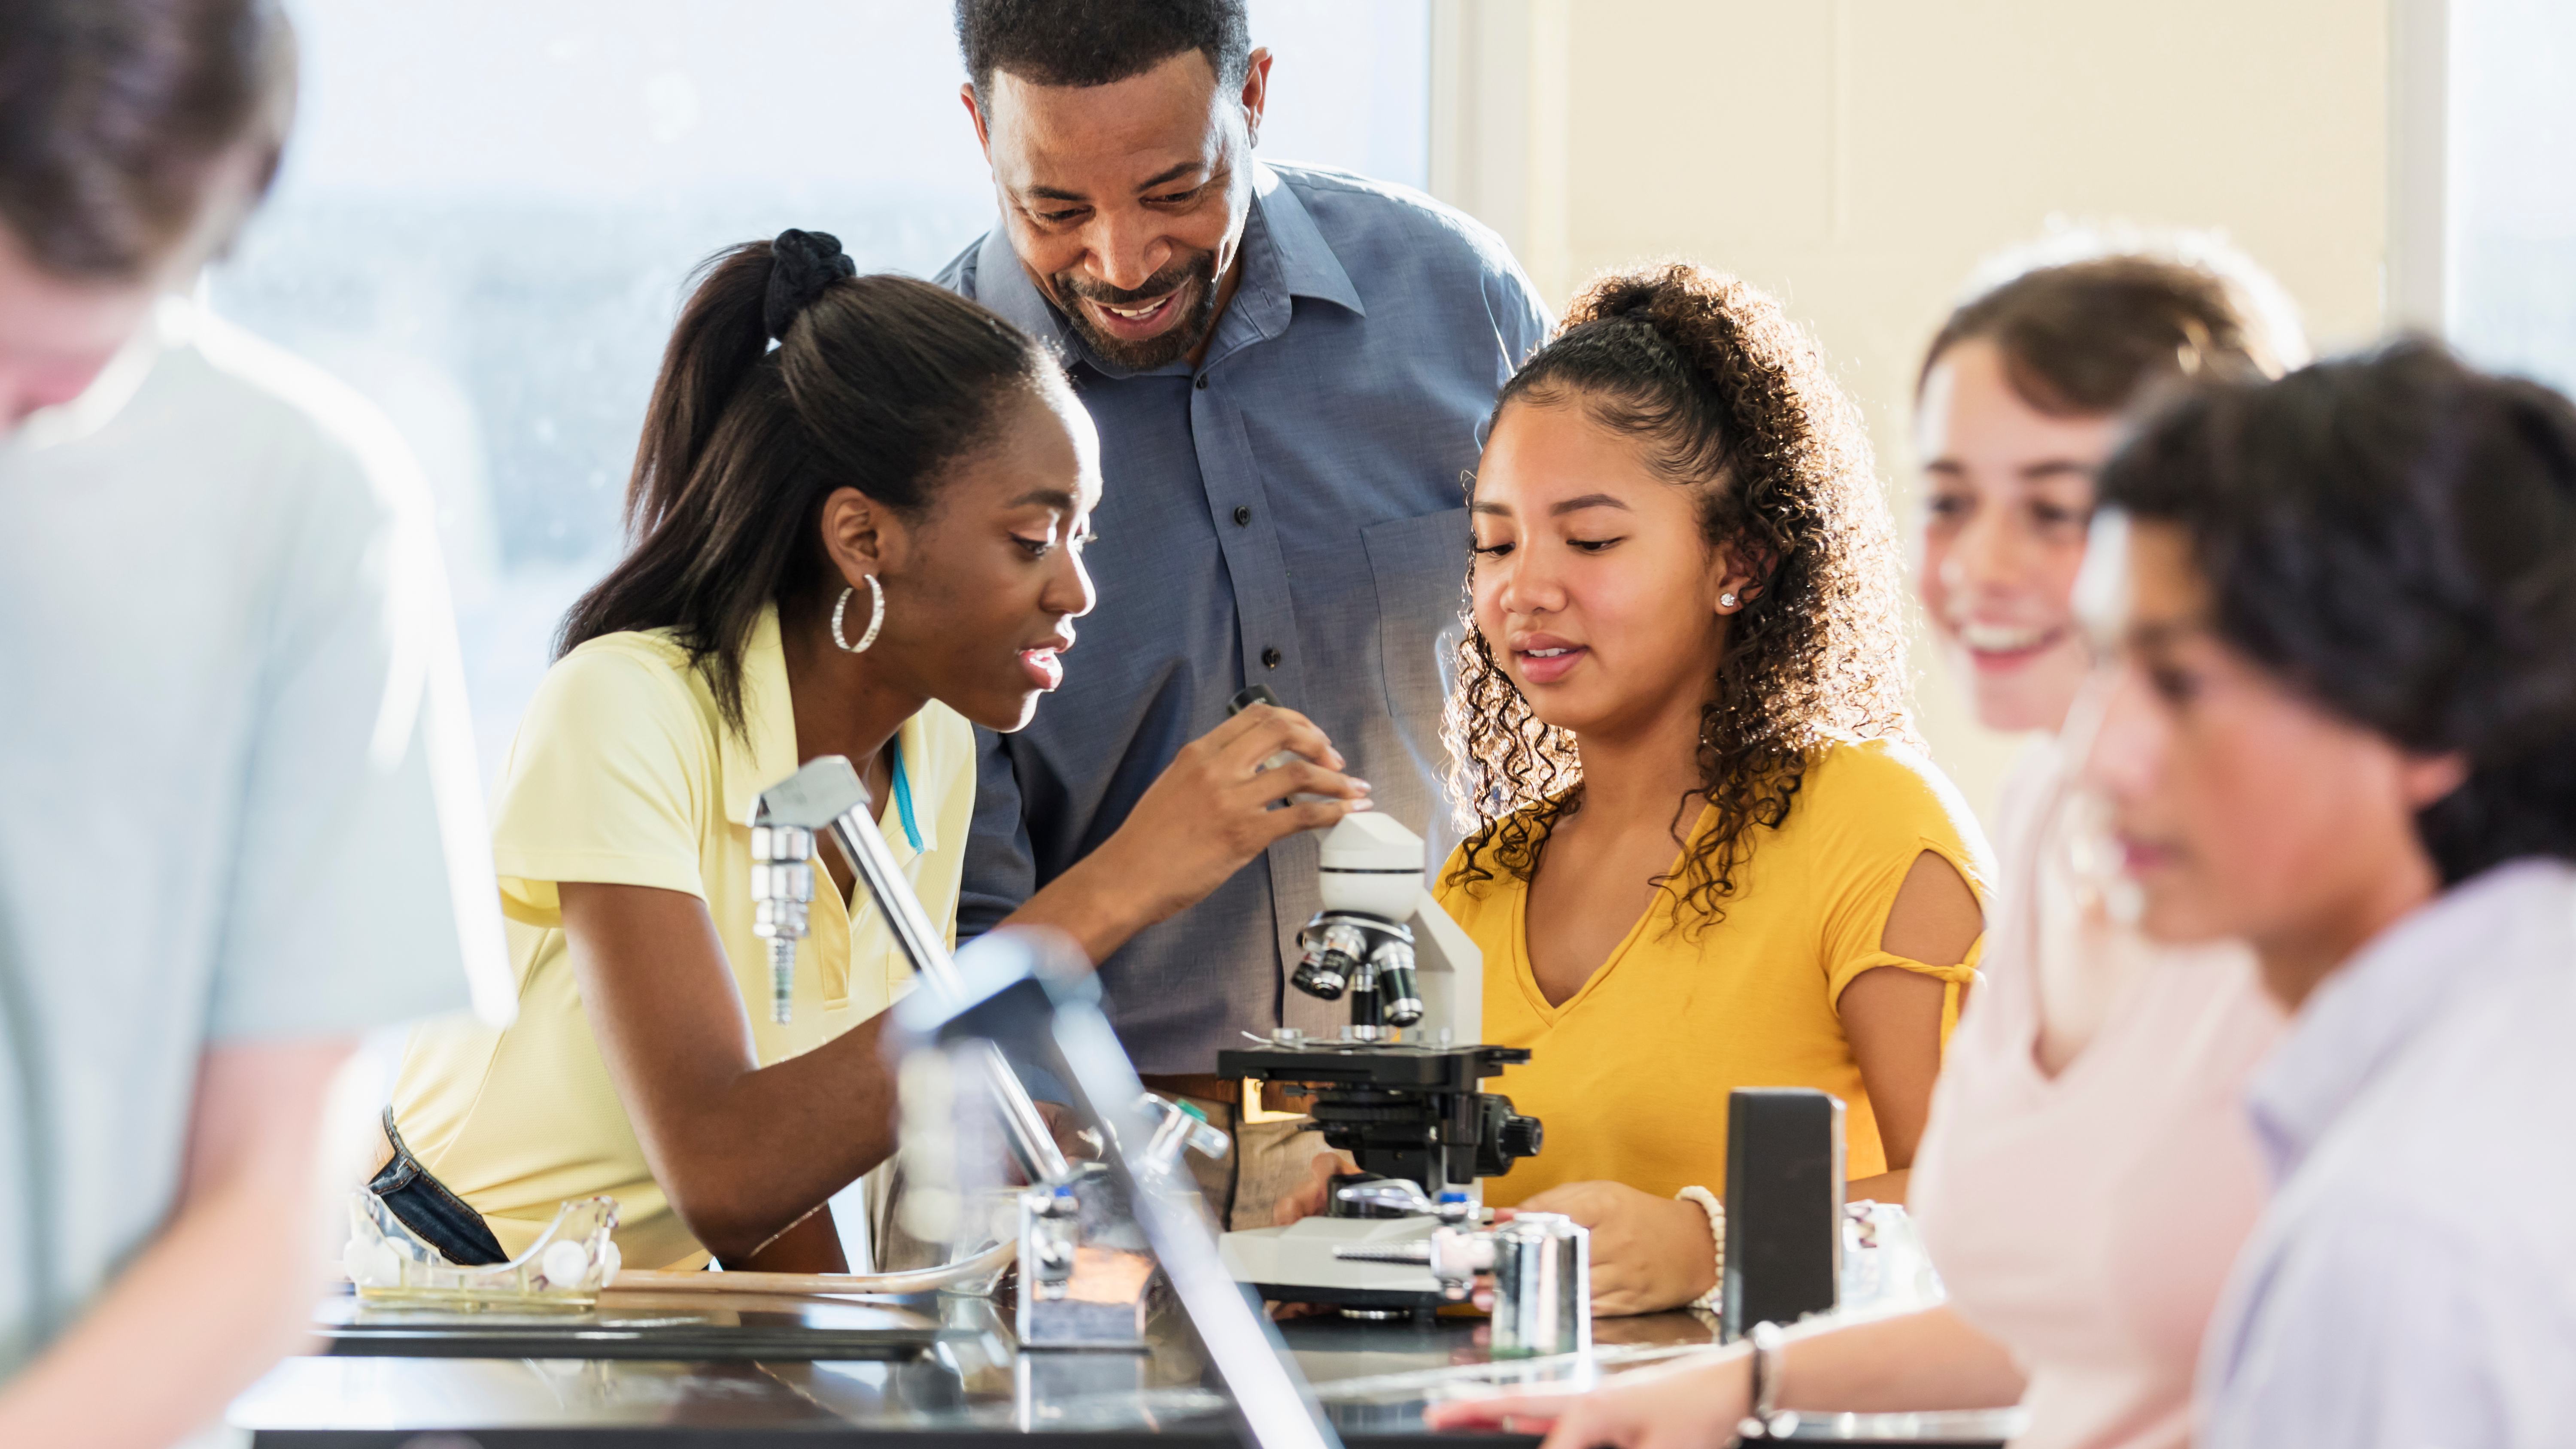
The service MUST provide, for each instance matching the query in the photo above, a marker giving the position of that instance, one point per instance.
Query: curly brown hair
(1726, 396)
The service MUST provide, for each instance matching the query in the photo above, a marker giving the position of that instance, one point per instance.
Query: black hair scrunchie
(801, 265)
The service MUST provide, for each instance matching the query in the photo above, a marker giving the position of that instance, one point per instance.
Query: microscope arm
(827, 795)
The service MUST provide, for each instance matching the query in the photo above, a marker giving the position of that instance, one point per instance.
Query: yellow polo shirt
(1630, 1074)
(622, 773)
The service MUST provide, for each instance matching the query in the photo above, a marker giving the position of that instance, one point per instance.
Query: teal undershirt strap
(903, 794)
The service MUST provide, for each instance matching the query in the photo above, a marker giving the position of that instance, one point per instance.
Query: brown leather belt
(1253, 1101)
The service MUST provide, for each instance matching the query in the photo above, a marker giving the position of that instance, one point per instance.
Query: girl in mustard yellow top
(1703, 854)
(858, 542)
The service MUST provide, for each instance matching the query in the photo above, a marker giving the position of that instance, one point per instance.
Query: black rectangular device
(1784, 1206)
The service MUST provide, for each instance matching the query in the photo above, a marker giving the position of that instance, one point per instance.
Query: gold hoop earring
(876, 617)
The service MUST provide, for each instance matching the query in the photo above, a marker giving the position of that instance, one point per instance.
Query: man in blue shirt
(1287, 366)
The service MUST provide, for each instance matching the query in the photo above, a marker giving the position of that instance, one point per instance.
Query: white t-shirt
(237, 793)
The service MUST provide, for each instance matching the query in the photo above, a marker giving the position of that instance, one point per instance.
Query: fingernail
(1359, 805)
(1362, 784)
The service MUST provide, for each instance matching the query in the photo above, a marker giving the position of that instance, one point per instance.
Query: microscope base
(1295, 1264)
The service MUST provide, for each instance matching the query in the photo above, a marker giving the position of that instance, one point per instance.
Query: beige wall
(1858, 157)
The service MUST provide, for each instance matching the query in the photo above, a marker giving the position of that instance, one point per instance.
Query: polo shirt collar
(764, 751)
(769, 756)
(1285, 257)
(171, 324)
(2391, 993)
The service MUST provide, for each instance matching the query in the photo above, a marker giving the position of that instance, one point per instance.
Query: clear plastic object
(562, 1272)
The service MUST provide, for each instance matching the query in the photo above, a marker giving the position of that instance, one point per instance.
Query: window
(2510, 159)
(490, 206)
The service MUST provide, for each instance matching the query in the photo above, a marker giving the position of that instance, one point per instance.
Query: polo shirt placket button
(1200, 384)
(1242, 516)
(1270, 658)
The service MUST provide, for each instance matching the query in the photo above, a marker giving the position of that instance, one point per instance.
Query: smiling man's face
(1126, 201)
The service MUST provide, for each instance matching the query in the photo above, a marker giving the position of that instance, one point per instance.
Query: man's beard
(1176, 341)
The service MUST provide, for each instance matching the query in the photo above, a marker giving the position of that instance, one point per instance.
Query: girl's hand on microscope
(1694, 1405)
(1213, 810)
(1649, 1253)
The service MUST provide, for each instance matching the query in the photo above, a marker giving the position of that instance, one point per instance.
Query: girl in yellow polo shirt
(860, 541)
(1703, 853)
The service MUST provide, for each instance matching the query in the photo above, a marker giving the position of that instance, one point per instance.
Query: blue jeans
(435, 1215)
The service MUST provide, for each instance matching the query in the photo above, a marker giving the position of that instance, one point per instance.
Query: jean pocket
(434, 1213)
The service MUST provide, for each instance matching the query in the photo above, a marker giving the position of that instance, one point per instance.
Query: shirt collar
(765, 752)
(2393, 991)
(1285, 257)
(170, 324)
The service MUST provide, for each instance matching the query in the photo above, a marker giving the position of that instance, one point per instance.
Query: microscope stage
(1372, 1064)
(1295, 1264)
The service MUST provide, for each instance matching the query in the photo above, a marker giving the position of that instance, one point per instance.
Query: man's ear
(975, 113)
(1256, 93)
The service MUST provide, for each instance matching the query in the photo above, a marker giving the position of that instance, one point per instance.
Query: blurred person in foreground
(2343, 730)
(239, 788)
(1287, 366)
(2088, 1175)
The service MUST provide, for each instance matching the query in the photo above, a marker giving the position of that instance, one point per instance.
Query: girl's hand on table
(1694, 1405)
(1648, 1253)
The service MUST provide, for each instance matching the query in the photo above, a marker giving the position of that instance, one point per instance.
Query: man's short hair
(117, 117)
(1095, 42)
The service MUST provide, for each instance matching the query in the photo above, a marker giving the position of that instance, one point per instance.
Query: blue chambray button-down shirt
(1288, 514)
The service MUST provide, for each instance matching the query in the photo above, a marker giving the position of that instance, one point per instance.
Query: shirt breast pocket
(1420, 567)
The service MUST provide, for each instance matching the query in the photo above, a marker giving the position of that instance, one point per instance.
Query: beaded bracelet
(1708, 1203)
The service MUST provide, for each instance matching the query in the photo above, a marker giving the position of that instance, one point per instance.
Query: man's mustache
(1162, 283)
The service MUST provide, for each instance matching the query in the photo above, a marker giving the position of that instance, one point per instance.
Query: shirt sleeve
(1001, 868)
(356, 899)
(604, 784)
(1882, 812)
(1521, 322)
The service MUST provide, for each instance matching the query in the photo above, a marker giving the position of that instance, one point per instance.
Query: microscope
(1087, 1274)
(1398, 1089)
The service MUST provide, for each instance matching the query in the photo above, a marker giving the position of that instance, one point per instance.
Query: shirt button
(1201, 384)
(1269, 658)
(1242, 516)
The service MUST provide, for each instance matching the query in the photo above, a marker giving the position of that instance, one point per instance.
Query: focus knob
(1520, 1137)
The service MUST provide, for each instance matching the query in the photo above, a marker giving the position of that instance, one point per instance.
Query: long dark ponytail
(877, 383)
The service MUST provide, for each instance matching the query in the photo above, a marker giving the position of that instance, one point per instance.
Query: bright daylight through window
(496, 262)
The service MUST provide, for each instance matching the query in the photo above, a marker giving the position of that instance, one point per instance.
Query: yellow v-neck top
(1630, 1075)
(623, 773)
